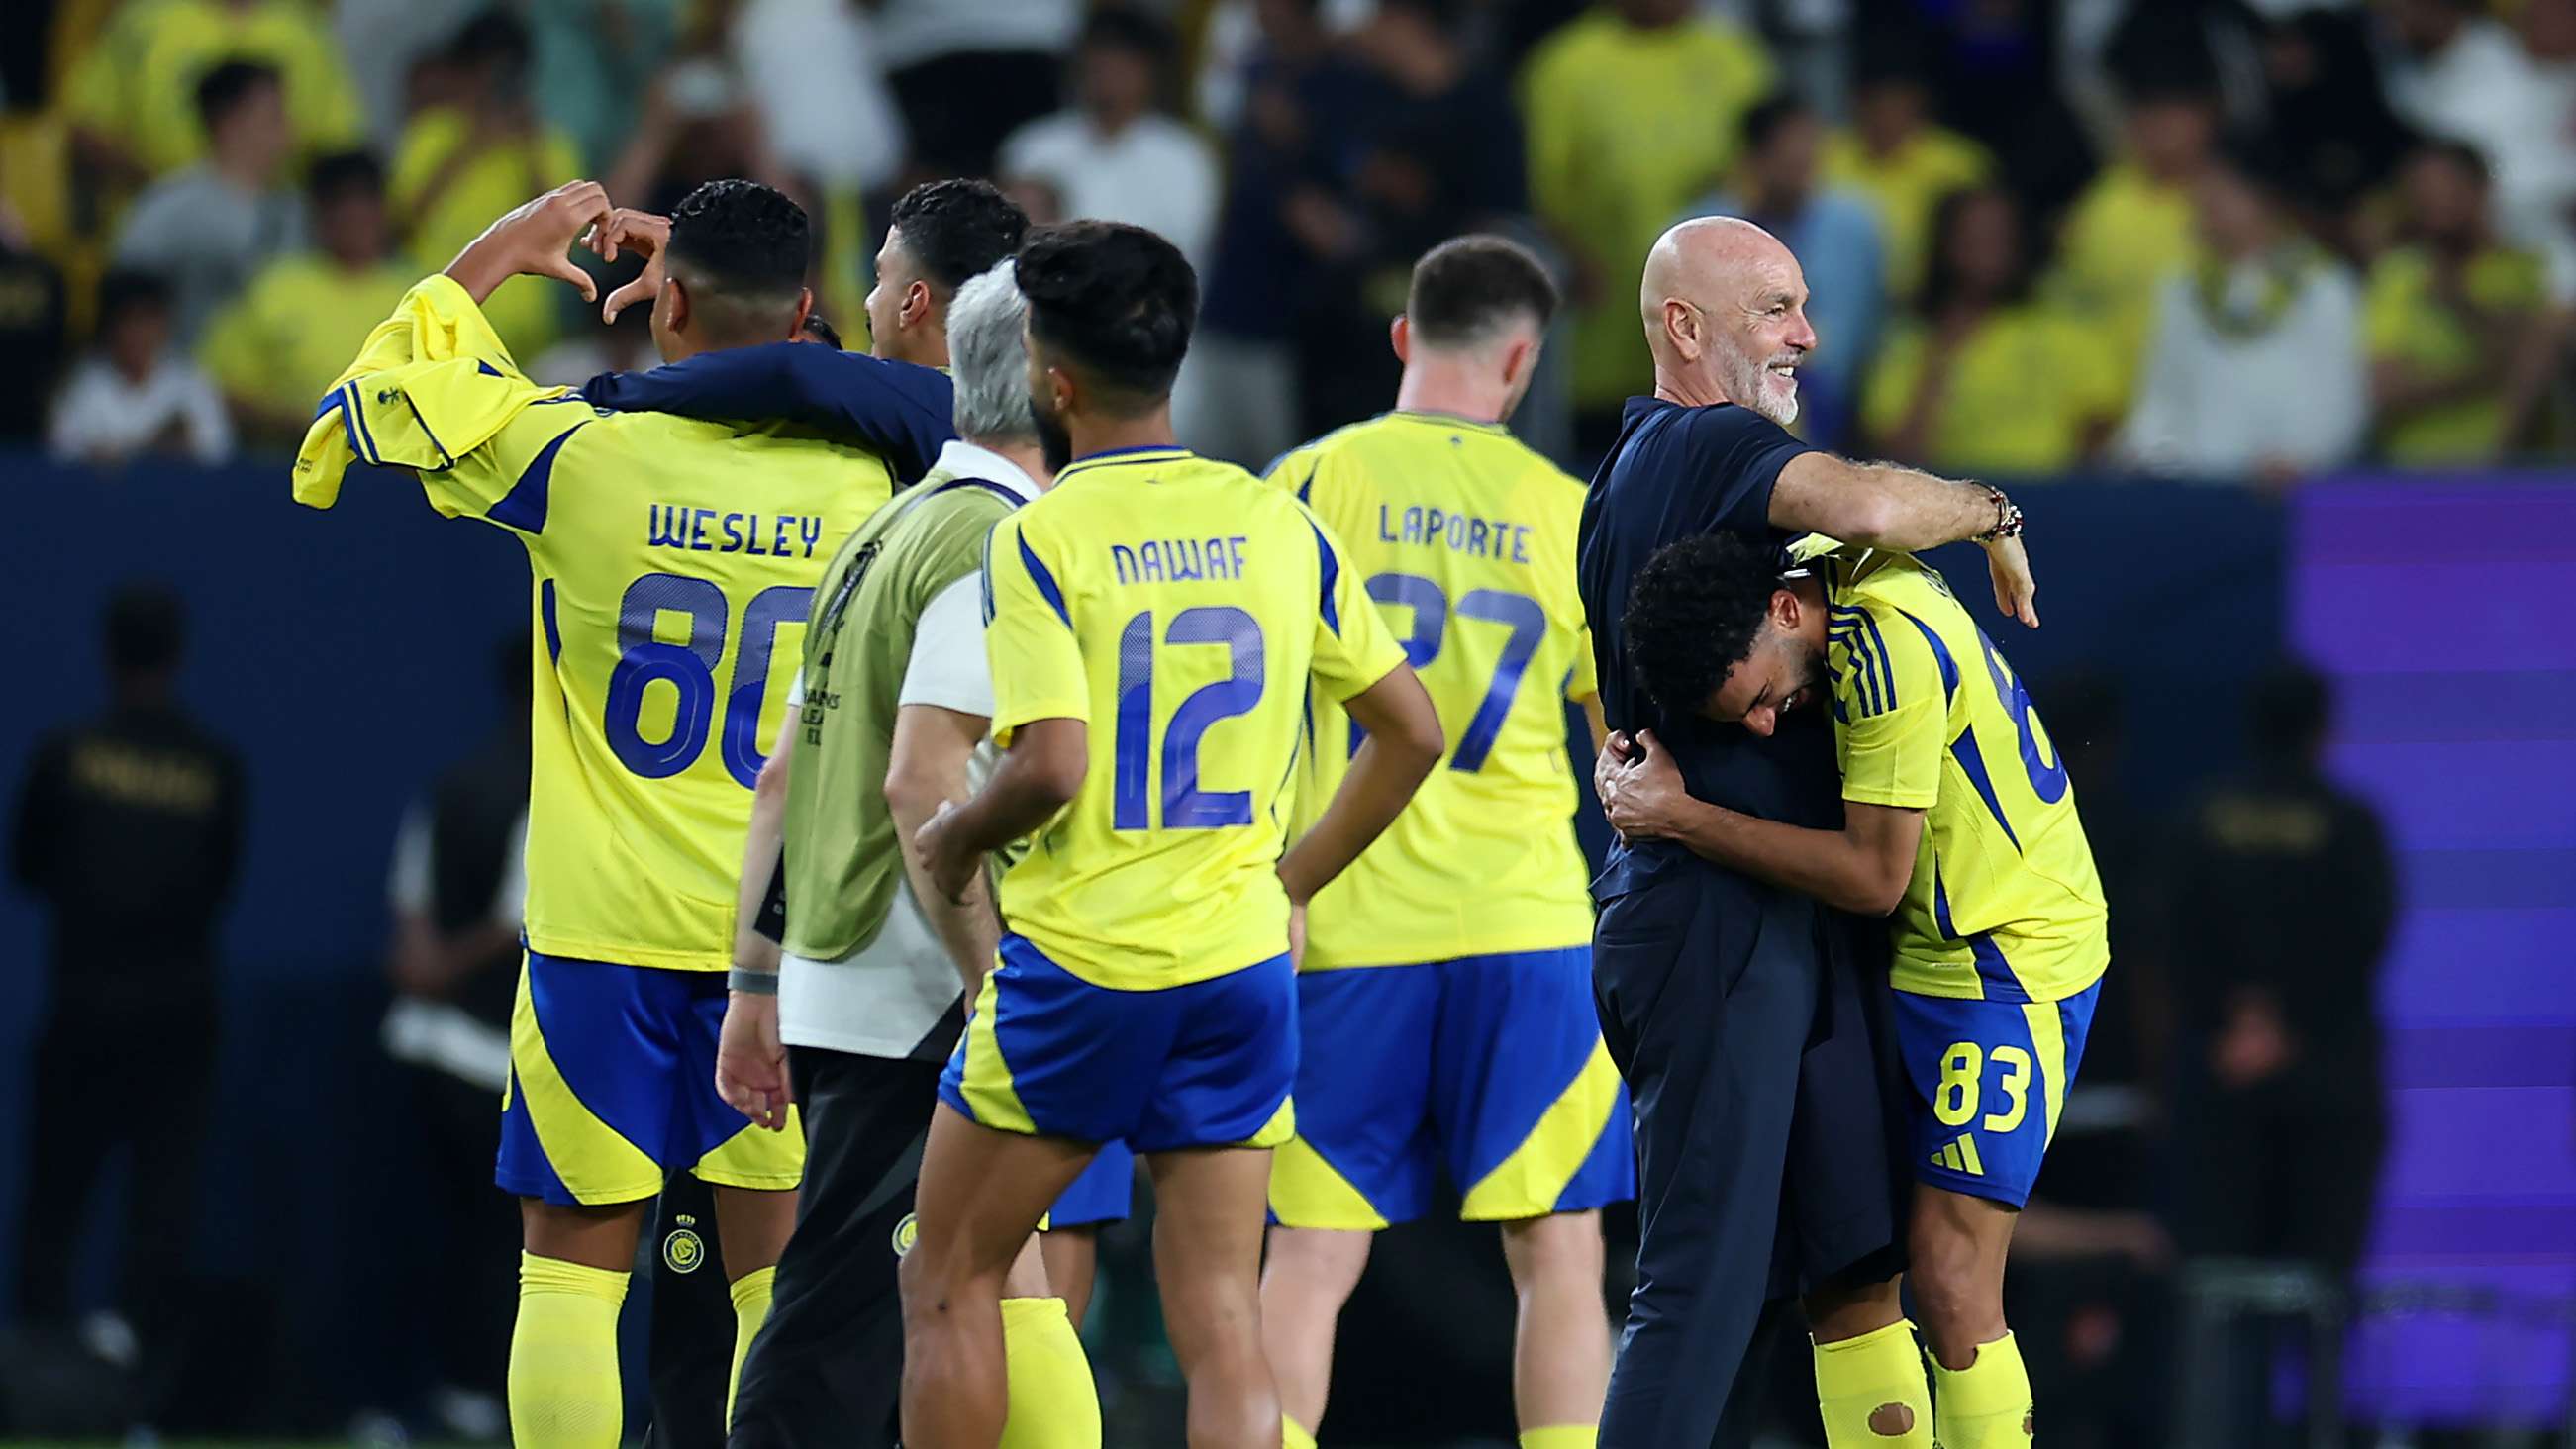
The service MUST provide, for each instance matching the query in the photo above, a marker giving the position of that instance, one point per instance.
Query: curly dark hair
(741, 238)
(958, 229)
(1116, 301)
(1693, 614)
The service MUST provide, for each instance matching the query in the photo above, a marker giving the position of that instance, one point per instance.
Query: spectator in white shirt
(2255, 368)
(1114, 156)
(136, 394)
(2461, 75)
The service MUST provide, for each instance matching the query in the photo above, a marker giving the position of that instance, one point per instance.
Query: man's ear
(1682, 328)
(1518, 359)
(804, 309)
(678, 292)
(1399, 334)
(915, 306)
(1786, 608)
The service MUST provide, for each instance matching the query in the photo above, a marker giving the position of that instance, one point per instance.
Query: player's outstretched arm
(533, 239)
(1863, 868)
(1887, 506)
(1039, 775)
(1403, 743)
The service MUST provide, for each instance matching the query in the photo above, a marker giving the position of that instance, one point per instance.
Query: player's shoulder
(1901, 609)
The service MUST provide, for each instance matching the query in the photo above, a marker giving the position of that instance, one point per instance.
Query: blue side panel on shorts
(1102, 1193)
(1610, 1174)
(1364, 1081)
(1515, 1030)
(521, 1168)
(2003, 1103)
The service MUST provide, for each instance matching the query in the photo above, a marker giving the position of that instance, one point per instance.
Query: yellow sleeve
(1891, 709)
(1028, 634)
(433, 389)
(1353, 649)
(1585, 681)
(2387, 310)
(1293, 470)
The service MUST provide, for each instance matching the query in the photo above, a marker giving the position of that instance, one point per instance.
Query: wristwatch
(2007, 517)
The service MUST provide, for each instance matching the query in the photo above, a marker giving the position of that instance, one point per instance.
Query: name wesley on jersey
(709, 530)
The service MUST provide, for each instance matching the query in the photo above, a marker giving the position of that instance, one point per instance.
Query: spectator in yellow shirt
(275, 350)
(2134, 223)
(1893, 154)
(1985, 379)
(461, 163)
(132, 98)
(1633, 109)
(2456, 321)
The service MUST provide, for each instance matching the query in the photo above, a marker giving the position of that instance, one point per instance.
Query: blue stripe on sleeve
(1940, 656)
(1045, 581)
(524, 506)
(546, 611)
(1879, 657)
(365, 441)
(1330, 567)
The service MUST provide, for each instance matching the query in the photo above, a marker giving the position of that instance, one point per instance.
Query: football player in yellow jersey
(1960, 825)
(1445, 999)
(1153, 625)
(673, 559)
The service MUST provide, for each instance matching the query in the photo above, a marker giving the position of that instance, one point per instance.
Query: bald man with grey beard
(1750, 1022)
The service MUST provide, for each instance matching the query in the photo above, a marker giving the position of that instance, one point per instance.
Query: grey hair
(988, 356)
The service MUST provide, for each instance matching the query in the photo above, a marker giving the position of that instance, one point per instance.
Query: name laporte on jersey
(710, 530)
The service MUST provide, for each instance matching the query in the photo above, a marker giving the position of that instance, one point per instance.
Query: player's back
(1180, 608)
(674, 562)
(1465, 538)
(2010, 907)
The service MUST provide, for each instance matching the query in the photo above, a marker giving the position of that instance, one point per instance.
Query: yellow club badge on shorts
(682, 1248)
(905, 1233)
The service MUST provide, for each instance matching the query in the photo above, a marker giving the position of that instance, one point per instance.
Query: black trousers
(1763, 1078)
(142, 1078)
(828, 1365)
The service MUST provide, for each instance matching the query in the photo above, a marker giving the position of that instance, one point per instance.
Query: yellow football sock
(1054, 1404)
(750, 1310)
(564, 1392)
(1293, 1435)
(1560, 1436)
(1859, 1378)
(1987, 1404)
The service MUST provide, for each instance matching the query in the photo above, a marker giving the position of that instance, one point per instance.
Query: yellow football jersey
(1466, 539)
(673, 561)
(1179, 609)
(2004, 904)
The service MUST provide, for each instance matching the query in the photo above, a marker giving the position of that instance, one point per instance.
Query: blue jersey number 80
(691, 670)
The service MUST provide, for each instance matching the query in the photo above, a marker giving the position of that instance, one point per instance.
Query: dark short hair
(222, 90)
(1468, 285)
(1693, 614)
(126, 290)
(344, 173)
(1770, 114)
(821, 331)
(1941, 278)
(2459, 153)
(144, 625)
(1121, 27)
(742, 238)
(958, 229)
(1116, 300)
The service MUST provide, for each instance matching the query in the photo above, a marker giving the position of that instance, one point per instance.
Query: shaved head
(1724, 306)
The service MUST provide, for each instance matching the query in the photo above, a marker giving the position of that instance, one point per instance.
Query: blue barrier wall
(346, 654)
